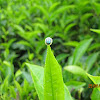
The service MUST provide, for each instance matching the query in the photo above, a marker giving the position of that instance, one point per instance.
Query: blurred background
(24, 25)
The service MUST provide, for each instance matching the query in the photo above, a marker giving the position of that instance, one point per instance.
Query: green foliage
(53, 82)
(80, 50)
(74, 26)
(76, 70)
(95, 94)
(38, 73)
(95, 79)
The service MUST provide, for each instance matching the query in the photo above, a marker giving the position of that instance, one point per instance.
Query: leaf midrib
(51, 77)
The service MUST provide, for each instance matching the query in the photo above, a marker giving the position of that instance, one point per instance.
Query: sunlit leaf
(37, 73)
(76, 70)
(95, 79)
(95, 94)
(96, 30)
(80, 50)
(53, 81)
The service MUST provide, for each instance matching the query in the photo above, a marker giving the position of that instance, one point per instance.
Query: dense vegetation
(74, 26)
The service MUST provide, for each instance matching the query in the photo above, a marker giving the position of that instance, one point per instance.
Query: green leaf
(96, 6)
(91, 60)
(54, 5)
(18, 73)
(80, 50)
(94, 46)
(26, 87)
(27, 76)
(95, 94)
(75, 84)
(96, 30)
(76, 70)
(37, 74)
(19, 28)
(72, 43)
(86, 16)
(4, 85)
(43, 10)
(25, 43)
(9, 69)
(70, 60)
(19, 90)
(41, 26)
(69, 27)
(12, 92)
(60, 10)
(67, 94)
(53, 81)
(95, 79)
(62, 56)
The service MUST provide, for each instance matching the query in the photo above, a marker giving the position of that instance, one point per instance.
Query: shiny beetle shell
(48, 41)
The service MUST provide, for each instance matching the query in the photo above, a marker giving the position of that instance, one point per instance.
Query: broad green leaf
(91, 60)
(76, 70)
(95, 79)
(95, 94)
(39, 71)
(37, 74)
(75, 84)
(53, 81)
(96, 30)
(80, 50)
